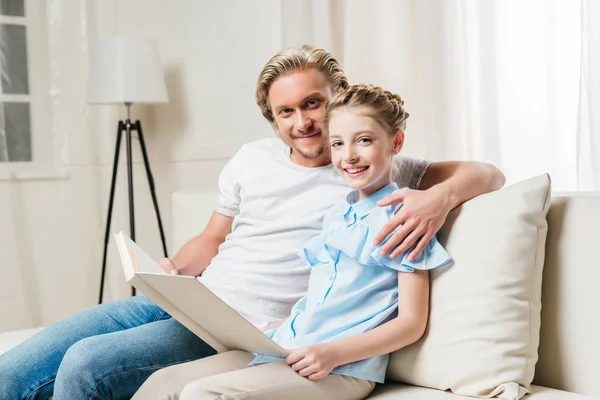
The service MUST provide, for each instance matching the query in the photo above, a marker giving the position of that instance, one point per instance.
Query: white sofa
(569, 351)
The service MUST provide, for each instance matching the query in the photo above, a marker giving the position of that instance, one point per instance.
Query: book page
(126, 258)
(140, 260)
(192, 304)
(197, 302)
(175, 312)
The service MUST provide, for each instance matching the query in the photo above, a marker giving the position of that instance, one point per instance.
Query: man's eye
(312, 103)
(285, 111)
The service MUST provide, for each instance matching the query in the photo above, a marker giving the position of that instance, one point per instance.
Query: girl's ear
(398, 141)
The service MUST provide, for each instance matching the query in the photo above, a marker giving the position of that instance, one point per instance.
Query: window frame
(43, 158)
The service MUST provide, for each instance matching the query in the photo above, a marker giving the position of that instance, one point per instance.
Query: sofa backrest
(569, 352)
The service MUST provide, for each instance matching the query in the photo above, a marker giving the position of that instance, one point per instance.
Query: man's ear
(398, 141)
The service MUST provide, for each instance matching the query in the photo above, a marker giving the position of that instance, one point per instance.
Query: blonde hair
(295, 59)
(384, 107)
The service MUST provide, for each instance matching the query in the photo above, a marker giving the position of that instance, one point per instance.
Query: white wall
(51, 231)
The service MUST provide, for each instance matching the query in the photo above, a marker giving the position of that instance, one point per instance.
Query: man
(273, 196)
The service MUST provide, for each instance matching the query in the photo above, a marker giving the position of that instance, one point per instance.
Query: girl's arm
(405, 329)
(317, 361)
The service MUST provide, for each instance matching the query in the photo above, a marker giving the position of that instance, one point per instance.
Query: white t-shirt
(277, 207)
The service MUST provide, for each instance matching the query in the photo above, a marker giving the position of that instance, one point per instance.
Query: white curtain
(52, 221)
(588, 129)
(511, 82)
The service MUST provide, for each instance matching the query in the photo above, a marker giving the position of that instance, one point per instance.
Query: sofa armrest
(8, 340)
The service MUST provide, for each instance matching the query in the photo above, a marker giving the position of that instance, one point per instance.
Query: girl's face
(361, 150)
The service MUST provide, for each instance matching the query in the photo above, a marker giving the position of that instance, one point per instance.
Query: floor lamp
(125, 71)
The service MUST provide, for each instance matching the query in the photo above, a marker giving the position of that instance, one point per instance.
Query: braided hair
(383, 106)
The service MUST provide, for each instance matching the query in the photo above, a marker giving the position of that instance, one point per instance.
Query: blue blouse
(352, 288)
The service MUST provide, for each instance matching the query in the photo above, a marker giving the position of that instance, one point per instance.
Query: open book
(191, 303)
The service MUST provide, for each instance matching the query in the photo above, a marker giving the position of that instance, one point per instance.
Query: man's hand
(419, 219)
(314, 362)
(168, 266)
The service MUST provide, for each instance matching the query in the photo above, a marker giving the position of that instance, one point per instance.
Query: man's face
(297, 101)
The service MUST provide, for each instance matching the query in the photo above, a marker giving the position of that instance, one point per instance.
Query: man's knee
(78, 370)
(80, 357)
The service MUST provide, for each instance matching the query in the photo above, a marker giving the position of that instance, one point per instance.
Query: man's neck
(316, 162)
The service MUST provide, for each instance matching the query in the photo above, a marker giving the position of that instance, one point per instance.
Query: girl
(360, 306)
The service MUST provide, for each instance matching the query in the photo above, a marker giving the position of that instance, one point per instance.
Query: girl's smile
(356, 171)
(362, 150)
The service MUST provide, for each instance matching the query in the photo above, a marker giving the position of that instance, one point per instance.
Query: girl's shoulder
(379, 216)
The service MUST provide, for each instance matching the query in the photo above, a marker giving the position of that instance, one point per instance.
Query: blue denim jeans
(104, 352)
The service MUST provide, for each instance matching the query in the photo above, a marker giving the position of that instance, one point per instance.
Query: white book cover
(191, 303)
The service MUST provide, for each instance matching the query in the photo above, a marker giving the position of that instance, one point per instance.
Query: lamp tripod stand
(128, 127)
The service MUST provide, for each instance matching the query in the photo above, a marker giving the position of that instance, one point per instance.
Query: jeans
(104, 352)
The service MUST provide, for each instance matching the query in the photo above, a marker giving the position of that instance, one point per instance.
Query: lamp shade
(123, 70)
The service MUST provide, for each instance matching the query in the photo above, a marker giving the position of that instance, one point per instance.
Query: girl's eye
(364, 140)
(336, 144)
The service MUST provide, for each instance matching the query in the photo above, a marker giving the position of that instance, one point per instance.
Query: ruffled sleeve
(432, 256)
(355, 240)
(314, 252)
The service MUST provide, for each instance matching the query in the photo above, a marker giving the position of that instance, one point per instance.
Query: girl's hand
(314, 362)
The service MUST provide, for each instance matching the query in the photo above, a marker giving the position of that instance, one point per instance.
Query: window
(26, 145)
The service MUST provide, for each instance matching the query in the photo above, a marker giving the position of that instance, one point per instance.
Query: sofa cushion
(483, 331)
